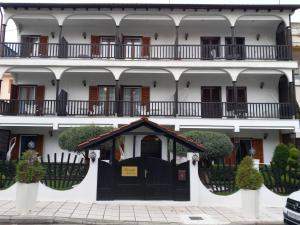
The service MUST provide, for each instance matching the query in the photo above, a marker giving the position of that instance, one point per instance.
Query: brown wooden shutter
(93, 97)
(95, 45)
(4, 143)
(40, 144)
(14, 96)
(15, 151)
(146, 98)
(257, 144)
(43, 48)
(146, 46)
(39, 97)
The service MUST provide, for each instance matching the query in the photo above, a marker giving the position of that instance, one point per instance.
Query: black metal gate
(143, 178)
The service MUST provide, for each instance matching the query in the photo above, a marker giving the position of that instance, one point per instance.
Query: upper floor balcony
(150, 33)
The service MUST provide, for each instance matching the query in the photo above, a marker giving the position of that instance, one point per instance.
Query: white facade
(259, 71)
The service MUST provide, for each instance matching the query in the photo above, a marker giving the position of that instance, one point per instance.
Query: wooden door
(257, 144)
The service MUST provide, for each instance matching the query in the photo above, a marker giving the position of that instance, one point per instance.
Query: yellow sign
(129, 171)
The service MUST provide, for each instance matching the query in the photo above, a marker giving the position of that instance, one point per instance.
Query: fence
(219, 178)
(282, 181)
(7, 173)
(63, 174)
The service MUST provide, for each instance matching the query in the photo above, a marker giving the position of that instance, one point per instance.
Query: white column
(194, 179)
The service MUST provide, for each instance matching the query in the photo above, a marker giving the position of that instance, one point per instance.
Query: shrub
(70, 138)
(248, 177)
(217, 144)
(281, 155)
(29, 169)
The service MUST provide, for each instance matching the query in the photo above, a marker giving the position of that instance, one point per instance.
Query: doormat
(201, 219)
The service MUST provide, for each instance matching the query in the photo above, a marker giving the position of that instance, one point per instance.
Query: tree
(247, 177)
(70, 138)
(281, 155)
(217, 145)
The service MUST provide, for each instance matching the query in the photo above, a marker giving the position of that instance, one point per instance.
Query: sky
(295, 18)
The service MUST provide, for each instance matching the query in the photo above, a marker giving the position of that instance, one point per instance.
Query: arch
(87, 16)
(253, 15)
(31, 16)
(205, 16)
(276, 71)
(151, 146)
(145, 16)
(142, 70)
(204, 71)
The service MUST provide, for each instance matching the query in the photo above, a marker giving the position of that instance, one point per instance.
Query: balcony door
(133, 47)
(242, 108)
(107, 99)
(132, 101)
(34, 46)
(27, 96)
(211, 106)
(210, 47)
(237, 51)
(103, 46)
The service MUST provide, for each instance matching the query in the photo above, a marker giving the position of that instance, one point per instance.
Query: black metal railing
(122, 51)
(62, 173)
(152, 108)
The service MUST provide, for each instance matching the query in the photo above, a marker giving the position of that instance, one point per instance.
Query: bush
(70, 138)
(281, 155)
(29, 169)
(218, 145)
(248, 177)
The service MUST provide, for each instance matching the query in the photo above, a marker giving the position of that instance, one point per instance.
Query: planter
(26, 195)
(250, 203)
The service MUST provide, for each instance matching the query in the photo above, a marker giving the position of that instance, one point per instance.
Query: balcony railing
(106, 51)
(153, 108)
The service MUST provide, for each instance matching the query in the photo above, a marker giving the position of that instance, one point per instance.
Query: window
(132, 100)
(108, 46)
(237, 51)
(27, 99)
(210, 48)
(133, 47)
(106, 99)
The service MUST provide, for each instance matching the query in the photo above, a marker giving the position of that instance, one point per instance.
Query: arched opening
(151, 146)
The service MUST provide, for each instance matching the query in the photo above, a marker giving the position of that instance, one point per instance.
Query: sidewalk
(114, 213)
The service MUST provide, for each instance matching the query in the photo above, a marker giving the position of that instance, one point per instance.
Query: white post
(90, 186)
(194, 179)
(256, 164)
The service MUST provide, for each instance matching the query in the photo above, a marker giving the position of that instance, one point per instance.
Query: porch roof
(96, 141)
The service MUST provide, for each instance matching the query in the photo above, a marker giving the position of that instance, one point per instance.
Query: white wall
(73, 29)
(37, 79)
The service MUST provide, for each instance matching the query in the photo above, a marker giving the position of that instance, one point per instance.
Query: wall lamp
(257, 37)
(84, 83)
(154, 83)
(93, 156)
(266, 136)
(51, 133)
(186, 36)
(195, 159)
(84, 35)
(52, 34)
(188, 83)
(262, 84)
(155, 36)
(53, 82)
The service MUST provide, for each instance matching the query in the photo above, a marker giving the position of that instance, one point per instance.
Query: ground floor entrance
(143, 178)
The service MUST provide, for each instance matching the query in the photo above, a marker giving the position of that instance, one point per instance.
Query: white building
(225, 68)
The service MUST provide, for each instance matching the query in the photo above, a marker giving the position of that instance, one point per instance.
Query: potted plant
(249, 180)
(29, 172)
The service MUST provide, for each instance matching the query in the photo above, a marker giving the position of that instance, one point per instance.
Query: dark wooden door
(211, 106)
(4, 143)
(283, 97)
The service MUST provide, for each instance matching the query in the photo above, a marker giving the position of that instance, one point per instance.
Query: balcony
(150, 52)
(153, 108)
